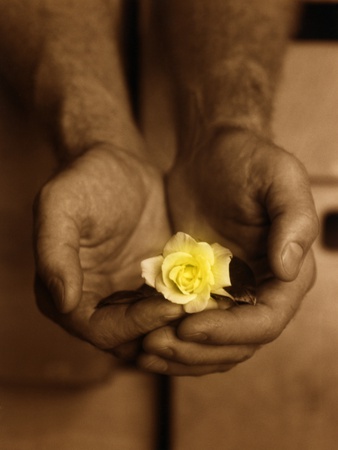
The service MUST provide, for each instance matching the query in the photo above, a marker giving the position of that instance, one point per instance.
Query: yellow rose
(188, 272)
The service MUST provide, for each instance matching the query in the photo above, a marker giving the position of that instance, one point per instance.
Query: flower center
(187, 277)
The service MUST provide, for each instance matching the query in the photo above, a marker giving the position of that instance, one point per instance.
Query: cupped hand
(94, 222)
(254, 198)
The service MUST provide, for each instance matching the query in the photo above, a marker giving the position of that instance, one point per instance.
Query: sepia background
(59, 393)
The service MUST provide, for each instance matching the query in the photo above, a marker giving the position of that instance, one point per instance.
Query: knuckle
(126, 352)
(102, 340)
(247, 353)
(103, 336)
(141, 320)
(271, 327)
(158, 339)
(310, 220)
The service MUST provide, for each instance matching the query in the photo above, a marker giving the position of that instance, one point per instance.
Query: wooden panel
(286, 397)
(120, 415)
(307, 105)
(32, 349)
(56, 392)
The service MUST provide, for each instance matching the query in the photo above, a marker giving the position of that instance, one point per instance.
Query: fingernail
(58, 292)
(196, 337)
(166, 351)
(155, 364)
(292, 256)
(174, 313)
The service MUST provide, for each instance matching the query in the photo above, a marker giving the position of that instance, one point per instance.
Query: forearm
(226, 56)
(64, 58)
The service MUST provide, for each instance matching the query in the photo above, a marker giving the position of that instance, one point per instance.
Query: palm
(122, 221)
(214, 205)
(102, 216)
(230, 192)
(239, 192)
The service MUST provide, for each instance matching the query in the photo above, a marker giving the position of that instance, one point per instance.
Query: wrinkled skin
(94, 222)
(253, 197)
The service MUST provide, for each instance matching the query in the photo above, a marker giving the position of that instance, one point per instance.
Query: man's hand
(254, 198)
(94, 222)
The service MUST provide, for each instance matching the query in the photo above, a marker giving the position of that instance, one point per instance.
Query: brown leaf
(243, 283)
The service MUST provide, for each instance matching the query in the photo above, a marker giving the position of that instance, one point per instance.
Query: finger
(56, 245)
(112, 326)
(47, 306)
(155, 364)
(164, 343)
(294, 222)
(278, 301)
(117, 324)
(44, 299)
(129, 351)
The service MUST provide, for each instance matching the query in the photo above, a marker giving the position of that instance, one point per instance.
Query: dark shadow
(319, 22)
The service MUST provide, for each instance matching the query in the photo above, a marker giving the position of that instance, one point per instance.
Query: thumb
(294, 222)
(56, 249)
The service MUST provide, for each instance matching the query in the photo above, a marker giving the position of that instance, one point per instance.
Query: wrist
(236, 95)
(80, 112)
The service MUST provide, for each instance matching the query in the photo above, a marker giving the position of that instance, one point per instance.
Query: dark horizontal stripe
(319, 21)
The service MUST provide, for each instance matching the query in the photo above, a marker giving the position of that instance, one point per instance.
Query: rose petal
(221, 268)
(182, 242)
(199, 304)
(151, 267)
(195, 306)
(204, 250)
(225, 303)
(172, 293)
(172, 260)
(222, 292)
(212, 304)
(187, 271)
